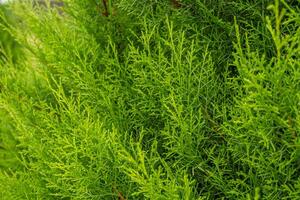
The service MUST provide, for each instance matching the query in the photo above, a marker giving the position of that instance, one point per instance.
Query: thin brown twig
(105, 12)
(176, 3)
(120, 195)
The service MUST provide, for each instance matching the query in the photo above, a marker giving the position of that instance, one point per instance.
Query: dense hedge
(10, 50)
(152, 99)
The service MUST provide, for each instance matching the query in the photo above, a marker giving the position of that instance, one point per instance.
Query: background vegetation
(150, 99)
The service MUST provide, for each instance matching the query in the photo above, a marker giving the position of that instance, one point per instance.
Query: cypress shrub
(124, 99)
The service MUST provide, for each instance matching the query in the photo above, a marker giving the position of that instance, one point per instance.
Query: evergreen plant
(126, 99)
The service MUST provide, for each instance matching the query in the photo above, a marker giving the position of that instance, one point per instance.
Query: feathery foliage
(124, 99)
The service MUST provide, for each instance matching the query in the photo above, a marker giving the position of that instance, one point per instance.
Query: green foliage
(10, 49)
(152, 100)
